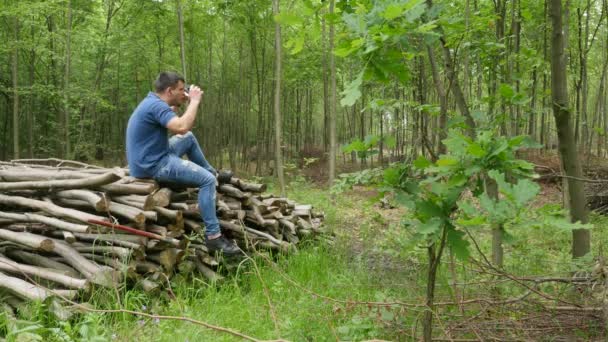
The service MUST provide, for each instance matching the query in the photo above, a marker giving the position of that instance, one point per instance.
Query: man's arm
(183, 124)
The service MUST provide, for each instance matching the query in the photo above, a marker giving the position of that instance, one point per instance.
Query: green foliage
(433, 192)
(346, 181)
(379, 34)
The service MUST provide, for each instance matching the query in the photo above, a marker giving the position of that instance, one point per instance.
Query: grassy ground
(319, 293)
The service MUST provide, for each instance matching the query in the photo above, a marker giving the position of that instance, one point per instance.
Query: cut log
(206, 271)
(39, 260)
(50, 208)
(124, 240)
(129, 189)
(168, 258)
(51, 221)
(28, 290)
(120, 252)
(95, 200)
(103, 276)
(10, 266)
(253, 187)
(89, 182)
(130, 213)
(232, 191)
(162, 197)
(34, 241)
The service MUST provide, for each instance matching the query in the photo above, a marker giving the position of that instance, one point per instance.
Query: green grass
(371, 260)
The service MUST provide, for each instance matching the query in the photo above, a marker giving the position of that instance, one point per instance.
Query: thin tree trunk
(277, 101)
(566, 143)
(332, 101)
(182, 47)
(15, 72)
(66, 84)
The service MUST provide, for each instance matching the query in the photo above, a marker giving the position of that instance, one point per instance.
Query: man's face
(178, 94)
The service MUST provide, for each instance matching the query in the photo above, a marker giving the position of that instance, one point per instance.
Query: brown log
(193, 225)
(96, 200)
(147, 267)
(131, 213)
(168, 258)
(10, 266)
(123, 267)
(253, 187)
(156, 229)
(129, 189)
(206, 271)
(50, 221)
(176, 216)
(34, 241)
(124, 240)
(39, 260)
(88, 182)
(141, 202)
(121, 252)
(50, 208)
(28, 290)
(103, 276)
(162, 197)
(230, 190)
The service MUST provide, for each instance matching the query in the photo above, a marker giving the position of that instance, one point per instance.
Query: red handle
(127, 229)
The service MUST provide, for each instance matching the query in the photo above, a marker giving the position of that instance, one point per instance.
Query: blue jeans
(195, 172)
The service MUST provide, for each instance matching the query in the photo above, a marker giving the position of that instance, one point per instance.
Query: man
(151, 154)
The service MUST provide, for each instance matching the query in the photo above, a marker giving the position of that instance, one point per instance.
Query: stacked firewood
(65, 226)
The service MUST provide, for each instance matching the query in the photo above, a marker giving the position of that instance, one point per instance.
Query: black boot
(222, 245)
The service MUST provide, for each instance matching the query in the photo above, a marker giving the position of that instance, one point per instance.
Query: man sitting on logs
(151, 154)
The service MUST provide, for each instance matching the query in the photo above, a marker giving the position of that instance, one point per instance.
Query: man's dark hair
(167, 79)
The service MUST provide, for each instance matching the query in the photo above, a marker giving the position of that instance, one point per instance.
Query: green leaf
(472, 222)
(405, 200)
(297, 44)
(432, 226)
(458, 244)
(426, 27)
(356, 145)
(506, 91)
(414, 10)
(421, 163)
(392, 11)
(352, 92)
(392, 176)
(287, 18)
(524, 192)
(447, 161)
(476, 150)
(428, 209)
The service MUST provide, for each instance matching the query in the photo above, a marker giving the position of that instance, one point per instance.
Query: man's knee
(207, 179)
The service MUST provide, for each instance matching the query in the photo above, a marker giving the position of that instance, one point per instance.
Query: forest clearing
(273, 170)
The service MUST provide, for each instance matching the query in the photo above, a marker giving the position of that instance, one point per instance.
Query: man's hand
(195, 94)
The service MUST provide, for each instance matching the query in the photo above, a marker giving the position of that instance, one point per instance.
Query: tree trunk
(66, 84)
(182, 47)
(332, 101)
(277, 101)
(566, 143)
(15, 71)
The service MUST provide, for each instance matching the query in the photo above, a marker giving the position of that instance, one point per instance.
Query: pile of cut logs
(66, 225)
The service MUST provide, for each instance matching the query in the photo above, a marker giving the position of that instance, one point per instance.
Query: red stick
(134, 231)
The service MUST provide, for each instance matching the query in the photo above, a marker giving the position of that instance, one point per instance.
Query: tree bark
(332, 101)
(278, 132)
(566, 143)
(15, 72)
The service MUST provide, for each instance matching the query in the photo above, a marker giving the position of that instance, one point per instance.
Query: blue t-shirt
(147, 136)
